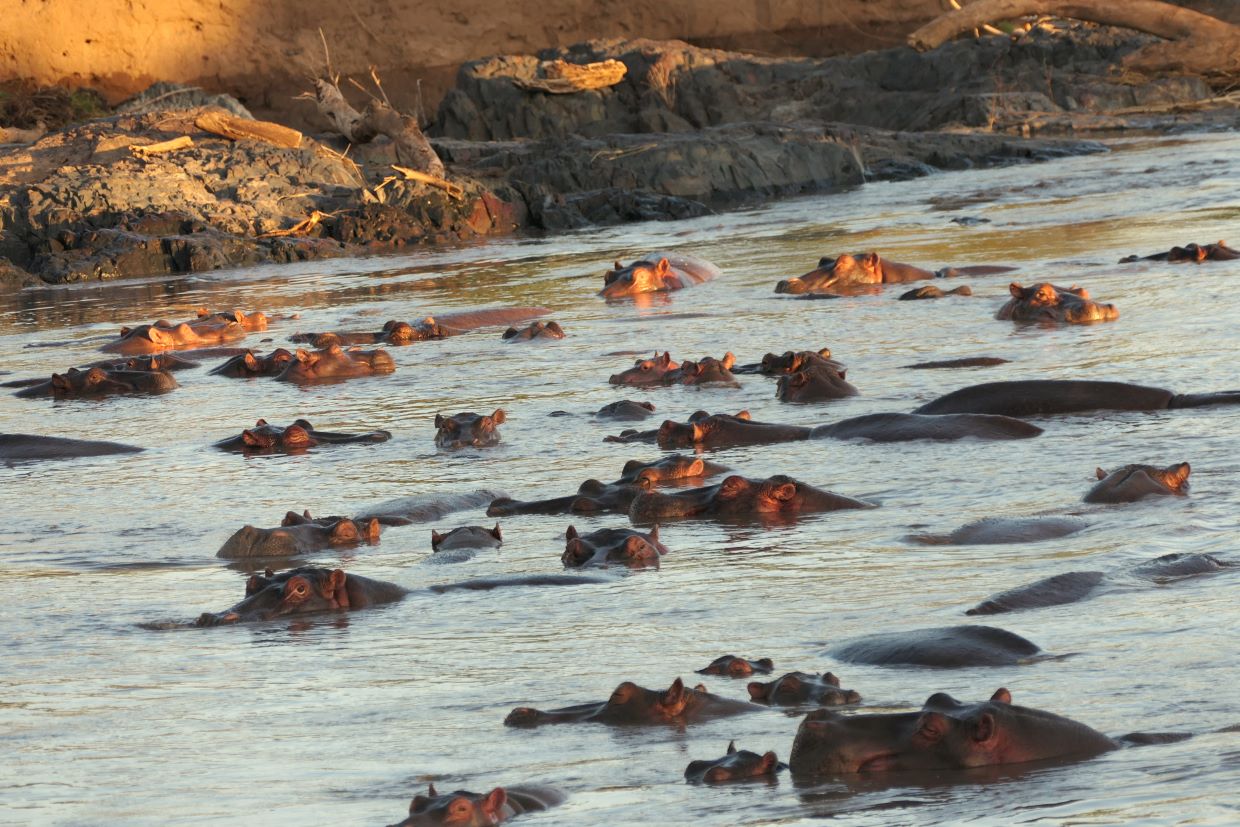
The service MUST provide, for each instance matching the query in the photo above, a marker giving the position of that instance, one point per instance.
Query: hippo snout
(522, 716)
(785, 286)
(213, 619)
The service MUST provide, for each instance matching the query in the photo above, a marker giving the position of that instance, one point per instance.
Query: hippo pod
(612, 546)
(98, 381)
(790, 361)
(625, 410)
(299, 534)
(656, 273)
(1074, 586)
(393, 332)
(1133, 482)
(847, 271)
(468, 429)
(335, 363)
(633, 705)
(815, 384)
(301, 591)
(265, 438)
(944, 735)
(944, 646)
(1044, 302)
(730, 666)
(735, 765)
(795, 688)
(740, 498)
(662, 371)
(20, 447)
(248, 364)
(1192, 252)
(465, 809)
(535, 330)
(1042, 397)
(901, 427)
(470, 536)
(161, 336)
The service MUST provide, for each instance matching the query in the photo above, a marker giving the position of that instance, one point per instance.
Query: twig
(172, 145)
(374, 76)
(452, 189)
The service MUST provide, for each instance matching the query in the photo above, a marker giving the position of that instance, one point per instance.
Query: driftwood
(412, 148)
(1215, 49)
(300, 228)
(561, 77)
(172, 145)
(219, 122)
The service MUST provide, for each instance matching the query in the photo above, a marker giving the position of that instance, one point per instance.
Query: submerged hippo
(740, 498)
(333, 363)
(304, 590)
(1041, 397)
(95, 382)
(1193, 252)
(817, 384)
(470, 536)
(944, 735)
(252, 322)
(797, 688)
(249, 364)
(869, 268)
(535, 330)
(592, 497)
(299, 534)
(465, 809)
(661, 370)
(161, 336)
(625, 410)
(1044, 302)
(901, 427)
(655, 273)
(671, 468)
(931, 291)
(265, 438)
(393, 332)
(793, 361)
(634, 435)
(612, 546)
(1004, 530)
(633, 705)
(468, 429)
(1132, 482)
(725, 431)
(735, 765)
(966, 362)
(20, 447)
(946, 646)
(730, 666)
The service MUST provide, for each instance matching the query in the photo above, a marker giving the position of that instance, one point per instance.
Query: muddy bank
(687, 131)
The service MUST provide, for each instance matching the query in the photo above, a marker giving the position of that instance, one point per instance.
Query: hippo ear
(370, 530)
(1179, 474)
(870, 259)
(251, 361)
(1016, 290)
(785, 492)
(260, 422)
(733, 485)
(60, 382)
(843, 372)
(290, 517)
(984, 729)
(306, 513)
(248, 438)
(829, 677)
(436, 539)
(654, 533)
(571, 534)
(663, 267)
(765, 663)
(125, 331)
(301, 354)
(336, 588)
(696, 468)
(731, 747)
(699, 433)
(647, 405)
(499, 416)
(430, 790)
(301, 423)
(825, 353)
(728, 360)
(439, 420)
(1100, 474)
(675, 693)
(770, 761)
(497, 534)
(1002, 696)
(493, 804)
(743, 415)
(757, 690)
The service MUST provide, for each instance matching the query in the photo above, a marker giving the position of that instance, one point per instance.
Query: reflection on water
(344, 719)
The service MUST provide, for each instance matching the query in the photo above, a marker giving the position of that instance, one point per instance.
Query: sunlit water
(343, 719)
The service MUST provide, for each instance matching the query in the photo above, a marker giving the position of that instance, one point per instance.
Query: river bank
(687, 131)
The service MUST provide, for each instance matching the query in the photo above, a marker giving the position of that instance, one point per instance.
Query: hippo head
(708, 370)
(733, 667)
(1132, 482)
(301, 590)
(264, 437)
(800, 687)
(76, 382)
(253, 322)
(468, 429)
(460, 809)
(697, 430)
(813, 385)
(338, 531)
(846, 269)
(1046, 302)
(945, 734)
(638, 277)
(622, 546)
(674, 467)
(646, 371)
(735, 765)
(792, 361)
(402, 333)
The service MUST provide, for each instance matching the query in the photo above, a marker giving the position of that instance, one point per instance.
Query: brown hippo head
(801, 687)
(468, 429)
(1046, 302)
(815, 384)
(620, 546)
(460, 809)
(653, 371)
(836, 272)
(708, 371)
(735, 765)
(792, 361)
(90, 382)
(731, 666)
(300, 590)
(264, 437)
(1132, 482)
(639, 277)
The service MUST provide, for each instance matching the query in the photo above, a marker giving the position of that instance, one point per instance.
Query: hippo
(966, 362)
(468, 429)
(334, 364)
(740, 498)
(265, 438)
(75, 383)
(252, 322)
(944, 646)
(901, 427)
(249, 364)
(671, 468)
(818, 384)
(621, 546)
(869, 268)
(304, 590)
(470, 536)
(1196, 253)
(465, 809)
(1004, 530)
(19, 447)
(725, 431)
(150, 362)
(657, 273)
(944, 735)
(735, 765)
(661, 370)
(633, 705)
(1040, 397)
(625, 410)
(634, 435)
(299, 534)
(1044, 302)
(790, 361)
(154, 338)
(535, 330)
(393, 332)
(730, 666)
(1132, 482)
(592, 497)
(795, 688)
(930, 291)
(1075, 586)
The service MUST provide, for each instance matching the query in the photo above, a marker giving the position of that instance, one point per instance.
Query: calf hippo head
(305, 589)
(460, 809)
(639, 277)
(799, 688)
(736, 765)
(731, 666)
(1132, 482)
(468, 429)
(620, 546)
(646, 371)
(944, 735)
(1046, 302)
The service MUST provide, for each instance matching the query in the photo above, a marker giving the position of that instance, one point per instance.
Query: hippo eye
(299, 590)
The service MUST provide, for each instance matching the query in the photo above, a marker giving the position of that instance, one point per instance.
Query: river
(343, 719)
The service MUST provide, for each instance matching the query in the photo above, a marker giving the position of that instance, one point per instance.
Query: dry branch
(561, 78)
(412, 148)
(219, 122)
(454, 190)
(147, 150)
(300, 228)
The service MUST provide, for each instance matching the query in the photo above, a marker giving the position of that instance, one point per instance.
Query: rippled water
(343, 719)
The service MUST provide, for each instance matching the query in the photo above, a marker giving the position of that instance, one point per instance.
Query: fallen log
(412, 148)
(219, 122)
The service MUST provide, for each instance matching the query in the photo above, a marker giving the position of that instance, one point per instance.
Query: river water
(343, 719)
